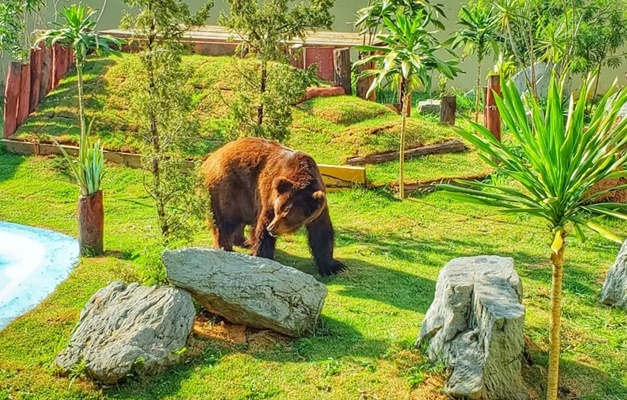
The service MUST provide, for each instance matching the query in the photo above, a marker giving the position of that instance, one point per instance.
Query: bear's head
(294, 205)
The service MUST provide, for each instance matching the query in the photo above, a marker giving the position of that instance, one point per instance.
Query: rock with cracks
(129, 328)
(251, 291)
(614, 291)
(475, 326)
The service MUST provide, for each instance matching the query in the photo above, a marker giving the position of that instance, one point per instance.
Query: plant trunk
(262, 90)
(532, 62)
(557, 259)
(478, 92)
(81, 114)
(91, 224)
(401, 164)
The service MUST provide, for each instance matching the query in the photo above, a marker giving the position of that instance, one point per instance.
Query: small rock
(250, 291)
(431, 106)
(614, 291)
(129, 328)
(475, 326)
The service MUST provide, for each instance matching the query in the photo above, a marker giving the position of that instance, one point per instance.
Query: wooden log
(11, 98)
(363, 85)
(342, 69)
(24, 103)
(449, 146)
(493, 118)
(36, 59)
(431, 185)
(448, 108)
(57, 65)
(91, 224)
(313, 92)
(46, 73)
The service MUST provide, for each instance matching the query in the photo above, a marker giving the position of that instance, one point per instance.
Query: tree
(479, 35)
(77, 32)
(265, 30)
(161, 100)
(15, 16)
(556, 163)
(406, 59)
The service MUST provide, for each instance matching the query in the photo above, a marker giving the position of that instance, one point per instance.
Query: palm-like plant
(77, 32)
(560, 162)
(405, 59)
(479, 35)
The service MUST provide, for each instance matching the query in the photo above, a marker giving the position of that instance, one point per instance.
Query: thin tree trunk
(81, 112)
(532, 65)
(557, 259)
(401, 165)
(262, 90)
(596, 86)
(478, 92)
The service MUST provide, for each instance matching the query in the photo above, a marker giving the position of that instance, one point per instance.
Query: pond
(33, 262)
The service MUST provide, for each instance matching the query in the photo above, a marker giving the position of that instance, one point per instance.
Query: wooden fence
(334, 177)
(27, 84)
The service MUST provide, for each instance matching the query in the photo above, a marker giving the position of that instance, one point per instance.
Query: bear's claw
(333, 269)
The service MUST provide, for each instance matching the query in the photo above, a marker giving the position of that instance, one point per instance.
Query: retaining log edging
(449, 146)
(27, 84)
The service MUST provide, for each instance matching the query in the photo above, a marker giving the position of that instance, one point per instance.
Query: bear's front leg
(264, 244)
(321, 242)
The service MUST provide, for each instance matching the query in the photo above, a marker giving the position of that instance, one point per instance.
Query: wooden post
(364, 84)
(448, 108)
(46, 72)
(485, 98)
(11, 99)
(493, 118)
(57, 65)
(36, 58)
(342, 69)
(24, 104)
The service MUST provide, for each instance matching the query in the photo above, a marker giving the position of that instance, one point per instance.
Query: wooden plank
(46, 73)
(323, 57)
(23, 108)
(17, 147)
(36, 58)
(11, 98)
(341, 176)
(449, 146)
(342, 69)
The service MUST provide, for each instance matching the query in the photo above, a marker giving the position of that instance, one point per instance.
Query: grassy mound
(330, 129)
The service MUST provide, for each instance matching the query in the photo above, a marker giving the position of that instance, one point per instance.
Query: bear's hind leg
(223, 236)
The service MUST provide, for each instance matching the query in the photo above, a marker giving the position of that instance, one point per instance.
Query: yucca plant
(78, 32)
(556, 159)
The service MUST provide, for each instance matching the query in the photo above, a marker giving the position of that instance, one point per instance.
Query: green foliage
(285, 85)
(263, 104)
(162, 101)
(15, 16)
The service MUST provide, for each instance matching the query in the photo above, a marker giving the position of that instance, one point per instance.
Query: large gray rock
(475, 326)
(129, 328)
(614, 291)
(246, 290)
(431, 106)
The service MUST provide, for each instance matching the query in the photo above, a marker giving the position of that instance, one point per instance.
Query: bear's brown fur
(272, 189)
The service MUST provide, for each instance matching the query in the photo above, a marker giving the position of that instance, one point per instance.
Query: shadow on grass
(9, 163)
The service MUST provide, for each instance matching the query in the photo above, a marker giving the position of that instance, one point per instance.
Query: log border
(445, 147)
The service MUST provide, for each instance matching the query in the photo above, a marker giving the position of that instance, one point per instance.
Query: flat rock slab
(431, 106)
(475, 326)
(614, 291)
(246, 290)
(129, 328)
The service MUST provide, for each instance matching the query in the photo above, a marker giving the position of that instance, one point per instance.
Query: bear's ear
(319, 195)
(283, 185)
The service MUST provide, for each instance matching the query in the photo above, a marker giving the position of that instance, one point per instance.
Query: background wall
(344, 12)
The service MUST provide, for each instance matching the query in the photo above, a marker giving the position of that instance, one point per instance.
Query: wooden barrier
(23, 108)
(449, 146)
(342, 69)
(334, 176)
(36, 60)
(448, 109)
(11, 98)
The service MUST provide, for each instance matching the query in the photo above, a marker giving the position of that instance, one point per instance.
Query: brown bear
(274, 190)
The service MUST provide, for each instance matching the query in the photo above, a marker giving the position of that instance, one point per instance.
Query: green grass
(331, 129)
(371, 318)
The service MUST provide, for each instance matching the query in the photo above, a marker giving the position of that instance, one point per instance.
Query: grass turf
(331, 129)
(372, 315)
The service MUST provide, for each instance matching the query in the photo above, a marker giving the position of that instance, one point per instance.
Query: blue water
(33, 262)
